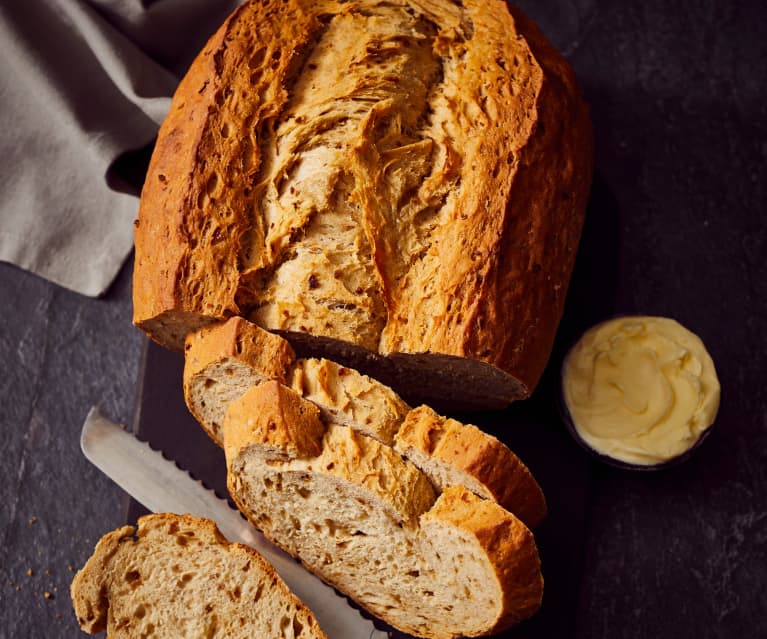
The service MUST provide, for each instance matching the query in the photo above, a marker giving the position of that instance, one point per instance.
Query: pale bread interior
(217, 372)
(368, 522)
(176, 576)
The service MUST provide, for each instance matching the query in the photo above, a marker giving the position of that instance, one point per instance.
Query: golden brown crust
(510, 548)
(276, 418)
(88, 591)
(214, 358)
(481, 457)
(223, 359)
(491, 179)
(198, 191)
(345, 396)
(268, 354)
(505, 261)
(527, 283)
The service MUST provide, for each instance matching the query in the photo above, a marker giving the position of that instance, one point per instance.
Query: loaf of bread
(370, 523)
(225, 360)
(176, 576)
(398, 186)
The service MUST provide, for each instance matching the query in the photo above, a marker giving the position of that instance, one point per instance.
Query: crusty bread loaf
(398, 186)
(368, 522)
(177, 576)
(225, 360)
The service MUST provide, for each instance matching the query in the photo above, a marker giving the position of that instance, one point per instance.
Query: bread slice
(368, 522)
(177, 576)
(396, 186)
(224, 360)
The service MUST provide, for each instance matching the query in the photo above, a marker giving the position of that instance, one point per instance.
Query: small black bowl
(618, 463)
(602, 457)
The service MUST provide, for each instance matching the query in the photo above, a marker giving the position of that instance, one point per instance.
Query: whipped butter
(641, 390)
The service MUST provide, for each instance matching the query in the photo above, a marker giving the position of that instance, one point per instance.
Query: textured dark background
(676, 227)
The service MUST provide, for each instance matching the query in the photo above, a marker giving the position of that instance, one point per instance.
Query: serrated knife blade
(161, 486)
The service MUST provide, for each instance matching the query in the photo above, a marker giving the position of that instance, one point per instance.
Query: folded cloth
(83, 81)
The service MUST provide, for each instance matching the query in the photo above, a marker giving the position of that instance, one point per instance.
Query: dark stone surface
(677, 94)
(676, 226)
(60, 353)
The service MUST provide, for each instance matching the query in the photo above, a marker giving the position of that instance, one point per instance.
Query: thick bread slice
(223, 361)
(300, 440)
(367, 521)
(280, 421)
(452, 453)
(396, 185)
(176, 575)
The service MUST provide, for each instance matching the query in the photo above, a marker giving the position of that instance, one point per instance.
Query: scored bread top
(347, 397)
(406, 178)
(278, 420)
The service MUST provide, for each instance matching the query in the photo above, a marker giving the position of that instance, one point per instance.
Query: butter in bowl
(639, 392)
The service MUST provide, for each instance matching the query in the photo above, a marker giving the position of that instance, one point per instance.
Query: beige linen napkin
(81, 82)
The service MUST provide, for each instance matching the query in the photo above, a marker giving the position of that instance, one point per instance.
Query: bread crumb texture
(176, 576)
(403, 177)
(370, 523)
(226, 361)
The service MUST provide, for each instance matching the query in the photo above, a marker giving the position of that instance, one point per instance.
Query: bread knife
(161, 486)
